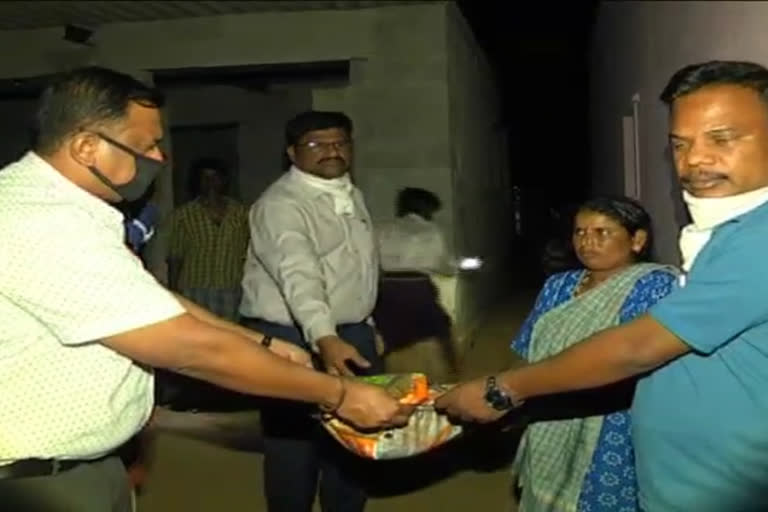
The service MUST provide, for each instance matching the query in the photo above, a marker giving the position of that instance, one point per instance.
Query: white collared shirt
(308, 263)
(67, 280)
(413, 243)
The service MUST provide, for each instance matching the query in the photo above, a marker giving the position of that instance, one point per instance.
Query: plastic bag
(425, 431)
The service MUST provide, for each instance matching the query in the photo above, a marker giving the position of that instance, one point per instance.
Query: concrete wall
(419, 94)
(261, 119)
(638, 46)
(398, 100)
(480, 172)
(398, 96)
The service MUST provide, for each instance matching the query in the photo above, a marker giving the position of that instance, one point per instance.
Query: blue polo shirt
(700, 423)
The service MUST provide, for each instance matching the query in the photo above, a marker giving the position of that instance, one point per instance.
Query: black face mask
(147, 170)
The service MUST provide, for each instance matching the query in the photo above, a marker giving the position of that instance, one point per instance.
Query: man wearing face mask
(698, 417)
(311, 277)
(82, 320)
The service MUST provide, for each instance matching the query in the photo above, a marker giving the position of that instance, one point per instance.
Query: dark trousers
(297, 451)
(100, 486)
(408, 310)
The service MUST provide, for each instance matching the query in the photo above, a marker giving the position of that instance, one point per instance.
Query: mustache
(708, 175)
(333, 159)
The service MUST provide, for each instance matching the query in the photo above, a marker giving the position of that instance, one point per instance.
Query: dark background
(540, 53)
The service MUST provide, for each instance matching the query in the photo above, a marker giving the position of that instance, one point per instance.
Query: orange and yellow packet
(426, 429)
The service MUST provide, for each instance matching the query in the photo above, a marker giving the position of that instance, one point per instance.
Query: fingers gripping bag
(425, 431)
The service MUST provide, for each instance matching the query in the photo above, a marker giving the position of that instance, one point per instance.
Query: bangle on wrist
(266, 341)
(342, 395)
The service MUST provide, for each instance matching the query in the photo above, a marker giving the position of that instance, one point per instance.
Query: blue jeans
(297, 451)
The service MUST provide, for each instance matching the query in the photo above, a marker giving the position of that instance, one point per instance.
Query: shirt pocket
(329, 233)
(362, 240)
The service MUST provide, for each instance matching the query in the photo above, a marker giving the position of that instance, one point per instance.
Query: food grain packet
(425, 431)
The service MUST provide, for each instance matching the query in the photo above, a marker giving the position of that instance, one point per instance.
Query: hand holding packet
(426, 429)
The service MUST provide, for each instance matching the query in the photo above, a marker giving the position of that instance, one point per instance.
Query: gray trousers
(100, 486)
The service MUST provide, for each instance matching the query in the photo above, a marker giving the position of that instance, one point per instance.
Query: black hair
(627, 212)
(201, 164)
(313, 120)
(86, 97)
(695, 76)
(419, 201)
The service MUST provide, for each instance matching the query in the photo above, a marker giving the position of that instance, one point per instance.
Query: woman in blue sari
(580, 459)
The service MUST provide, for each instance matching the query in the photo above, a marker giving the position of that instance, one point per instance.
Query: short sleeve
(724, 294)
(80, 280)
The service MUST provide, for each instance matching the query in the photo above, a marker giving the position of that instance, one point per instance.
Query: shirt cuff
(319, 329)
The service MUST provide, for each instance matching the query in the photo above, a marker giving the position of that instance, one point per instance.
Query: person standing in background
(208, 240)
(408, 311)
(413, 242)
(311, 277)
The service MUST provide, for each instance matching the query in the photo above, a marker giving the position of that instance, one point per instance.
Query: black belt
(27, 468)
(405, 274)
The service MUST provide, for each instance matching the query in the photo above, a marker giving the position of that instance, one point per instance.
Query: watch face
(498, 400)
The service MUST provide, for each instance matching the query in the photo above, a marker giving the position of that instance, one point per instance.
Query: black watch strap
(498, 398)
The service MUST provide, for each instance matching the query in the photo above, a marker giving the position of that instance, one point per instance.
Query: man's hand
(367, 406)
(335, 353)
(467, 402)
(291, 352)
(278, 347)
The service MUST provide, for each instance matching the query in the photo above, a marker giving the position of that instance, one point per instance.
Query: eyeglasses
(321, 147)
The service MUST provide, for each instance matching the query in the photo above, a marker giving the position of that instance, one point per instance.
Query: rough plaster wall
(261, 118)
(260, 38)
(400, 93)
(479, 170)
(262, 138)
(398, 101)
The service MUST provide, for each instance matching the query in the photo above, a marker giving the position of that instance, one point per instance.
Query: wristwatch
(498, 398)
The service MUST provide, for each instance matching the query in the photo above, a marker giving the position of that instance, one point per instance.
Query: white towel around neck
(709, 212)
(340, 189)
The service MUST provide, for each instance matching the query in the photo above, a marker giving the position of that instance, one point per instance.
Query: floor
(471, 474)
